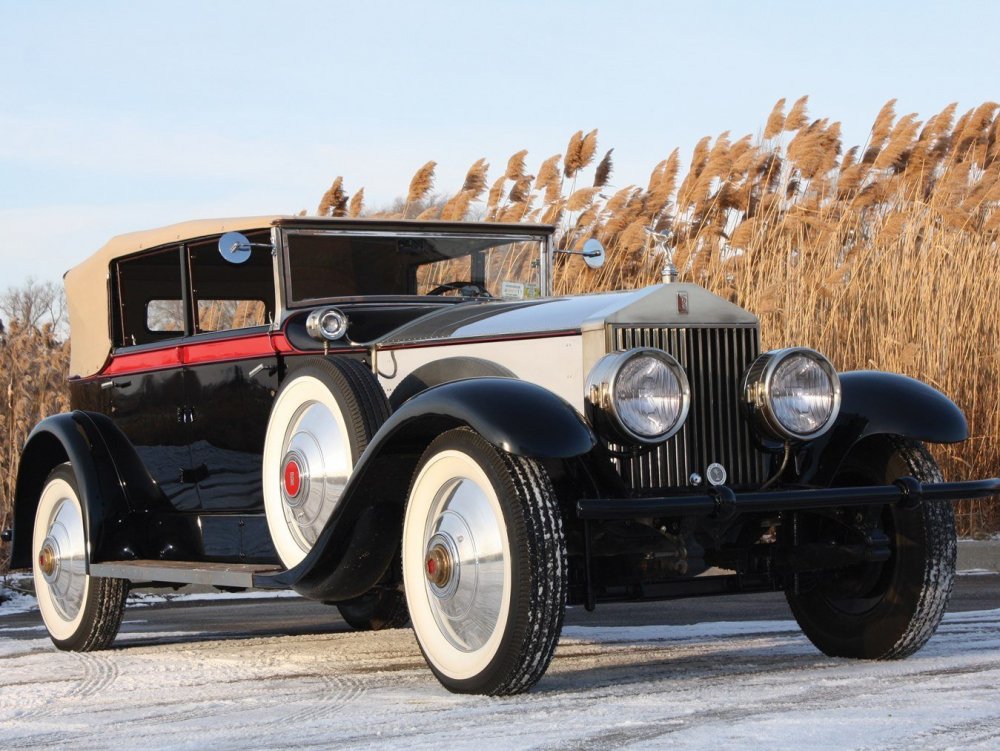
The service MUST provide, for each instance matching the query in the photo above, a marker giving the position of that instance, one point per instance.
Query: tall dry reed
(34, 361)
(882, 255)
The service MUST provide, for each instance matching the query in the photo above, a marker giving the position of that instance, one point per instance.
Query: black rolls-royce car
(400, 419)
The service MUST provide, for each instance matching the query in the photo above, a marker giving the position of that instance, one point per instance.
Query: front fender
(877, 403)
(358, 543)
(521, 418)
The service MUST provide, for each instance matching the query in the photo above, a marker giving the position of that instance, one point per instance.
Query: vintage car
(399, 418)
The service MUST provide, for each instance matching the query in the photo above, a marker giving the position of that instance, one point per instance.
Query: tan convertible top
(87, 283)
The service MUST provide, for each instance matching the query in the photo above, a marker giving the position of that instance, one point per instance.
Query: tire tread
(548, 584)
(936, 524)
(111, 595)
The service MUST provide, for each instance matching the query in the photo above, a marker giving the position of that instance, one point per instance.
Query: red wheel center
(293, 478)
(47, 560)
(439, 566)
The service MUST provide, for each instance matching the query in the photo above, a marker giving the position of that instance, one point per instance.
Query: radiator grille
(715, 430)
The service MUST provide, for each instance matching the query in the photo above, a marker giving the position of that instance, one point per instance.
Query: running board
(183, 572)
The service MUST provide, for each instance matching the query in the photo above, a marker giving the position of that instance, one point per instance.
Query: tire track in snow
(100, 670)
(336, 692)
(266, 678)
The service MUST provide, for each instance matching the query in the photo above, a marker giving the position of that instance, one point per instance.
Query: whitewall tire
(80, 612)
(484, 565)
(321, 421)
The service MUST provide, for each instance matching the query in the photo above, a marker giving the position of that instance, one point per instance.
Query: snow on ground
(16, 602)
(746, 685)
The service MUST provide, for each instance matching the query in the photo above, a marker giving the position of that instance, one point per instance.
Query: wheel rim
(861, 588)
(456, 564)
(313, 471)
(60, 558)
(464, 564)
(307, 462)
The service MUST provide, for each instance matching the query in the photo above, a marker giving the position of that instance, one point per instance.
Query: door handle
(259, 368)
(115, 384)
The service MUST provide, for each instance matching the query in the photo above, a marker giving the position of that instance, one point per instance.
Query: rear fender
(359, 541)
(876, 403)
(108, 473)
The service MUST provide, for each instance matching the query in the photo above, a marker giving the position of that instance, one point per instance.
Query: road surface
(286, 673)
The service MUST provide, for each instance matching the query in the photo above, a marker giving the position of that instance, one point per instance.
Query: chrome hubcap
(48, 558)
(61, 559)
(464, 564)
(315, 466)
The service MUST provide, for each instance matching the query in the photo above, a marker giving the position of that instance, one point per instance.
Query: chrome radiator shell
(715, 359)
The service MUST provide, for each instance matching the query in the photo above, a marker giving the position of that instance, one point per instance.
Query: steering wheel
(448, 286)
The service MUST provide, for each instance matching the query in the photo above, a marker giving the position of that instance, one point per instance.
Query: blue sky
(118, 116)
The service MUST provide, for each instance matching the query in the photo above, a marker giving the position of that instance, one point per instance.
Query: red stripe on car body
(198, 353)
(265, 345)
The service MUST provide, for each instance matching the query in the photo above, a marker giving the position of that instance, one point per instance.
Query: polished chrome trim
(545, 272)
(600, 390)
(757, 383)
(287, 303)
(277, 265)
(512, 237)
(315, 329)
(183, 572)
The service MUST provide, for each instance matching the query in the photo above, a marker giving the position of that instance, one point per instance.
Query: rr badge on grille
(715, 473)
(682, 303)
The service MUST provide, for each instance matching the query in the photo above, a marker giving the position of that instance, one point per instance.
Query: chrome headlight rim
(603, 409)
(327, 324)
(759, 380)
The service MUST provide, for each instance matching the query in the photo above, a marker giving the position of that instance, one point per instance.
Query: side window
(229, 296)
(148, 298)
(165, 316)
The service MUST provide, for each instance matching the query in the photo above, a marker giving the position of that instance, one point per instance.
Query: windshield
(324, 266)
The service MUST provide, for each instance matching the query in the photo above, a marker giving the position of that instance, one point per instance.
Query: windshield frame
(544, 275)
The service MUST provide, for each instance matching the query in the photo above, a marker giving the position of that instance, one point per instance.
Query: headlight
(792, 393)
(326, 324)
(643, 394)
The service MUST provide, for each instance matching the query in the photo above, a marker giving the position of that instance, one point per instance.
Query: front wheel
(888, 610)
(484, 565)
(82, 613)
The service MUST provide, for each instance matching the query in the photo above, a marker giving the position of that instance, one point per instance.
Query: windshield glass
(326, 266)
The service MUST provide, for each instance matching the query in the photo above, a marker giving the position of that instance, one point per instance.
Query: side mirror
(235, 247)
(593, 253)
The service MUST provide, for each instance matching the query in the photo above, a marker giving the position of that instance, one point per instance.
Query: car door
(232, 375)
(145, 380)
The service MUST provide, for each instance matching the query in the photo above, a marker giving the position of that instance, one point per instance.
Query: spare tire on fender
(322, 419)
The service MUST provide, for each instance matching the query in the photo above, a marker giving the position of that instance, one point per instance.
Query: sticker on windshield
(512, 291)
(532, 292)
